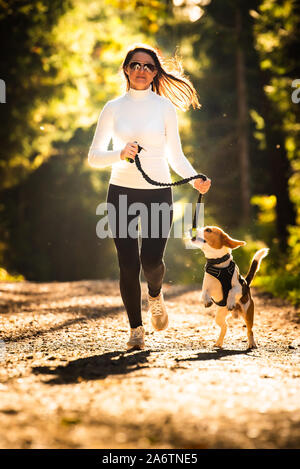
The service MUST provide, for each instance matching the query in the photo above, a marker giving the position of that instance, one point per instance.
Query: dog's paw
(218, 345)
(206, 299)
(208, 304)
(231, 305)
(251, 345)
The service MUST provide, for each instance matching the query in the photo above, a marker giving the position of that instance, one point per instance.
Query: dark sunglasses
(137, 66)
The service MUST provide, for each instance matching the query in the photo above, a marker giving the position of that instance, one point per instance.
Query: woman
(146, 115)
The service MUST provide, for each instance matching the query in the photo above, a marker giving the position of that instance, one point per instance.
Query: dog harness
(224, 275)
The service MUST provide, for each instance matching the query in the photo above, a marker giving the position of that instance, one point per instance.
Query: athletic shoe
(136, 340)
(159, 316)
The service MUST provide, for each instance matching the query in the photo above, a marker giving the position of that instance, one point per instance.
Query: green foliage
(53, 228)
(30, 83)
(63, 63)
(276, 27)
(282, 284)
(9, 277)
(277, 42)
(280, 273)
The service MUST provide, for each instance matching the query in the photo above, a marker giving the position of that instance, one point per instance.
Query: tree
(277, 25)
(59, 75)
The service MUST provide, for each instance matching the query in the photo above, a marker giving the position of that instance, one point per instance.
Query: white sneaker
(136, 339)
(159, 316)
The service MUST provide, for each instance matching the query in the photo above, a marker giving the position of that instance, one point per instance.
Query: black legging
(153, 243)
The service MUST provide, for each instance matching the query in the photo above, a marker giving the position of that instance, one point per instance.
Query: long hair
(170, 80)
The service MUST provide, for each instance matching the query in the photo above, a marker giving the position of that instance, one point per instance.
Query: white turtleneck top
(149, 119)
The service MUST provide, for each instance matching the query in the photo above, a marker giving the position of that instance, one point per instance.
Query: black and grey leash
(176, 183)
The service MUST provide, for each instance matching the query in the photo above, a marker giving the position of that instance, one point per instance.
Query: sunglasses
(137, 66)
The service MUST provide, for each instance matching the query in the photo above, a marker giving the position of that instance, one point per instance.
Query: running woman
(146, 115)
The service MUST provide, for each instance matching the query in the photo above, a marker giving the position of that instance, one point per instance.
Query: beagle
(222, 283)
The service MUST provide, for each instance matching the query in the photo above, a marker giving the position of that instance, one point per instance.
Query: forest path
(67, 382)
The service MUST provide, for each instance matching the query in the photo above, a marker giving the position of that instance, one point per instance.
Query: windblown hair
(170, 80)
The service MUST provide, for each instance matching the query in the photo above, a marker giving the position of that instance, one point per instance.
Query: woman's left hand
(202, 186)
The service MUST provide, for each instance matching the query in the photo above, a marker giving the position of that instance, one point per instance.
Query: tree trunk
(242, 124)
(280, 169)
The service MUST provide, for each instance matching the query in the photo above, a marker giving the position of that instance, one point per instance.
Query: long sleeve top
(150, 120)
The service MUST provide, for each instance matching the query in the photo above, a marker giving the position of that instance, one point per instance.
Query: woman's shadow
(96, 367)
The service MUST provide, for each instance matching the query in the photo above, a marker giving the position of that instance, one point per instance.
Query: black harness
(224, 275)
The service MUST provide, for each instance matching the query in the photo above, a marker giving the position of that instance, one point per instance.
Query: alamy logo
(140, 220)
(2, 91)
(2, 351)
(296, 92)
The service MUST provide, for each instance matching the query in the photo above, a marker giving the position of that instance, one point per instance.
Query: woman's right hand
(129, 151)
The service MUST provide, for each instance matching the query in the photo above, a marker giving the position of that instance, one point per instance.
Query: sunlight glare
(195, 13)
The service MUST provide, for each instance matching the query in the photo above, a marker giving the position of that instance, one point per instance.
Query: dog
(233, 295)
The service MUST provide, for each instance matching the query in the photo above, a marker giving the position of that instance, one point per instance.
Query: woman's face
(140, 78)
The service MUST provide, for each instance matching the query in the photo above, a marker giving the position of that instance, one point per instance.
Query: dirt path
(65, 381)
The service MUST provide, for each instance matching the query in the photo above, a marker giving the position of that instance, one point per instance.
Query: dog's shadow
(213, 355)
(95, 367)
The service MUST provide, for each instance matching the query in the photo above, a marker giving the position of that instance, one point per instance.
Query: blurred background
(61, 61)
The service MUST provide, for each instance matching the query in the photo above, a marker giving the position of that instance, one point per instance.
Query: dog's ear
(232, 243)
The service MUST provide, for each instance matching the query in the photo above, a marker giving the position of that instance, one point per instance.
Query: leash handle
(131, 160)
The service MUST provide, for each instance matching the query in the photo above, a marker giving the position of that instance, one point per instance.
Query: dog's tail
(255, 264)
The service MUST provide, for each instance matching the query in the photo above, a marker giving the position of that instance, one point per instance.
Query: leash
(136, 160)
